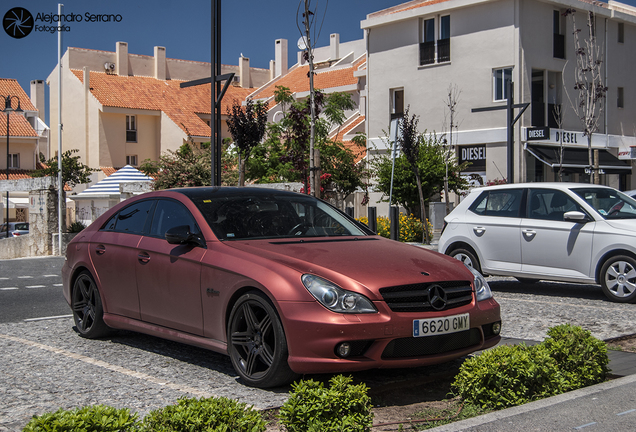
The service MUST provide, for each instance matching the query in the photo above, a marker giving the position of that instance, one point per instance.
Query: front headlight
(335, 298)
(482, 289)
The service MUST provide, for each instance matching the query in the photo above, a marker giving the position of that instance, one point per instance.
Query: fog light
(496, 328)
(343, 350)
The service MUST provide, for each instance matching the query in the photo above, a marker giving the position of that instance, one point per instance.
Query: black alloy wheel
(88, 312)
(257, 344)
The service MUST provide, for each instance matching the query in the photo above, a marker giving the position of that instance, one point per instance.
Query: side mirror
(575, 216)
(181, 235)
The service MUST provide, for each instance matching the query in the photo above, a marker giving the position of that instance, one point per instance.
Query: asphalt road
(31, 288)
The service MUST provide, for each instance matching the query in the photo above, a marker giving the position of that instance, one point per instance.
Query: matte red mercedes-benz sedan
(283, 283)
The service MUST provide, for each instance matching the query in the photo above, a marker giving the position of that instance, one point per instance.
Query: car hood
(622, 224)
(373, 262)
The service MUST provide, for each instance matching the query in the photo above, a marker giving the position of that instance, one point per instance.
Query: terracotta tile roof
(360, 152)
(181, 105)
(298, 81)
(108, 171)
(10, 87)
(19, 126)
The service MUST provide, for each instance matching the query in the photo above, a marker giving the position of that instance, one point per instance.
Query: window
(558, 46)
(435, 40)
(547, 204)
(620, 102)
(621, 33)
(131, 160)
(131, 219)
(170, 214)
(131, 128)
(501, 78)
(14, 160)
(397, 103)
(501, 203)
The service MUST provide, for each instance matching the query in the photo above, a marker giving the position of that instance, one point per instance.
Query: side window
(501, 203)
(170, 214)
(131, 219)
(550, 204)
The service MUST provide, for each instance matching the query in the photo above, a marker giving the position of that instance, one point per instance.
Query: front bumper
(380, 340)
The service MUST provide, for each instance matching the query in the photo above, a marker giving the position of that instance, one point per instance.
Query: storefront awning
(575, 160)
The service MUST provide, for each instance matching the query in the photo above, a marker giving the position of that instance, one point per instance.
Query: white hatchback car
(569, 232)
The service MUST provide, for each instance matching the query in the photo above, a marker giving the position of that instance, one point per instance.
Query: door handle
(529, 234)
(143, 257)
(479, 231)
(99, 250)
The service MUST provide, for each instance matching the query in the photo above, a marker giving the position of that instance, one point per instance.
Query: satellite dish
(302, 43)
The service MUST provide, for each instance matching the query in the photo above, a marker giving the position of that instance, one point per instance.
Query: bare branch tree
(452, 99)
(588, 83)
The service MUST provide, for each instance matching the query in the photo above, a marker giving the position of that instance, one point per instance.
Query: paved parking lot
(47, 366)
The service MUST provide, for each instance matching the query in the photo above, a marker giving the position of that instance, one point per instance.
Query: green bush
(506, 376)
(76, 227)
(342, 407)
(97, 418)
(209, 415)
(581, 358)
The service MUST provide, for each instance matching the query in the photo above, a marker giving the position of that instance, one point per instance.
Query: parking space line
(111, 367)
(50, 275)
(58, 285)
(626, 412)
(584, 426)
(4, 278)
(47, 318)
(25, 277)
(35, 286)
(8, 288)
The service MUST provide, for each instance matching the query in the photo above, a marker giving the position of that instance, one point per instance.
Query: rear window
(501, 203)
(22, 226)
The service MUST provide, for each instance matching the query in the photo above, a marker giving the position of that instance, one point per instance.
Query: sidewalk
(609, 406)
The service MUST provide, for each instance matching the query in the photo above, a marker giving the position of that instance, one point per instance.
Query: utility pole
(312, 132)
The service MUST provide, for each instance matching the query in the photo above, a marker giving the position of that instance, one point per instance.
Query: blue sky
(249, 27)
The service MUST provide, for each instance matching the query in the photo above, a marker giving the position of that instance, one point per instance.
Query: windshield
(609, 203)
(273, 216)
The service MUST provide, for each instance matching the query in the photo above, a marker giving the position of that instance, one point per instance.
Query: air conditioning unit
(109, 67)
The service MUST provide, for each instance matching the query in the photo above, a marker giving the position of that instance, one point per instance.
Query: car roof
(196, 193)
(540, 185)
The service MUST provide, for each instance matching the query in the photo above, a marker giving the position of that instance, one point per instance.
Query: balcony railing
(443, 50)
(427, 53)
(558, 50)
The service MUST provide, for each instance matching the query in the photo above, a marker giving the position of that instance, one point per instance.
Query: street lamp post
(8, 109)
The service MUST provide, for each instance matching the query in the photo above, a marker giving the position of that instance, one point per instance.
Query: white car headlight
(482, 289)
(335, 298)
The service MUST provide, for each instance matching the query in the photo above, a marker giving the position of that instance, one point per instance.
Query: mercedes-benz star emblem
(18, 22)
(437, 297)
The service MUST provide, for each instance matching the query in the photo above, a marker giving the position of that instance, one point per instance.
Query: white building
(417, 50)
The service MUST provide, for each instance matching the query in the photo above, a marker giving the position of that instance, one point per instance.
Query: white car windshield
(610, 204)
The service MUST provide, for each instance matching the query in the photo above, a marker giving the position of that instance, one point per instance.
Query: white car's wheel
(618, 279)
(467, 257)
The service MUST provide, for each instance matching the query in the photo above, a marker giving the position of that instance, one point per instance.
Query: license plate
(441, 325)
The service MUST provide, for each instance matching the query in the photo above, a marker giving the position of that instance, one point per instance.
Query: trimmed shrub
(506, 376)
(410, 227)
(96, 418)
(206, 414)
(76, 227)
(342, 407)
(581, 358)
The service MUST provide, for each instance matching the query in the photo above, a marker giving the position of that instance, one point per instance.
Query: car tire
(88, 312)
(257, 344)
(526, 280)
(618, 279)
(467, 257)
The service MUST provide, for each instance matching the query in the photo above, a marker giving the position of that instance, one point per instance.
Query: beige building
(120, 108)
(418, 50)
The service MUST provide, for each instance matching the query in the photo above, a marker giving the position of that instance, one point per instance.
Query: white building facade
(417, 51)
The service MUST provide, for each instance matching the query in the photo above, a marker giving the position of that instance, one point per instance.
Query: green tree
(432, 169)
(74, 173)
(247, 127)
(190, 166)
